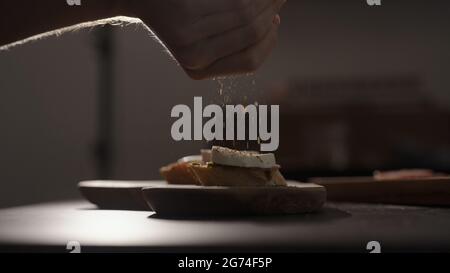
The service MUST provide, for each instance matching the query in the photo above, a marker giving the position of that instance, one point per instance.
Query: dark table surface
(339, 227)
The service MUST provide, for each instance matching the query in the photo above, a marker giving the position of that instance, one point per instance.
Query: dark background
(393, 61)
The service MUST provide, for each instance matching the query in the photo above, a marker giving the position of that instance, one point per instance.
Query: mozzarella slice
(246, 159)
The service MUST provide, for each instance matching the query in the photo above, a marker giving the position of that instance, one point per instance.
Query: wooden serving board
(188, 201)
(424, 191)
(122, 195)
(178, 200)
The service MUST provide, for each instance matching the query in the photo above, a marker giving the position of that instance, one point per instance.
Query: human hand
(212, 38)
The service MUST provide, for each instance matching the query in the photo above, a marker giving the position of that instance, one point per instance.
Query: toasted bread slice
(219, 175)
(179, 173)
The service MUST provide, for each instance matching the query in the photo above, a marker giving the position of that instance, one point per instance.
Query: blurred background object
(353, 126)
(360, 88)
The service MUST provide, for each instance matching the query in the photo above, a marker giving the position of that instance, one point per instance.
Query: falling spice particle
(238, 90)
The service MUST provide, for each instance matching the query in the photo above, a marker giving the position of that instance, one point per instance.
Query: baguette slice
(179, 173)
(219, 175)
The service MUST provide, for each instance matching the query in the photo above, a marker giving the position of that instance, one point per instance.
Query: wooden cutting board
(122, 195)
(175, 200)
(188, 201)
(424, 191)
